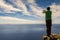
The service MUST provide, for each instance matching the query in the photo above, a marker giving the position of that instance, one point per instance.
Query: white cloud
(37, 10)
(6, 7)
(31, 1)
(55, 12)
(11, 20)
(22, 7)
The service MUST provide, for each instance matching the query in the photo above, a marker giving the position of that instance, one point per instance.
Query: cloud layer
(11, 20)
(28, 9)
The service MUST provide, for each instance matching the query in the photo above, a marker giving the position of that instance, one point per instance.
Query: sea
(25, 31)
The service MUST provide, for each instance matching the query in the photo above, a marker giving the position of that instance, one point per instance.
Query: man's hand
(44, 11)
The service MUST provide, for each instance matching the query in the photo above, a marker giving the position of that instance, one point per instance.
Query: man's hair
(48, 8)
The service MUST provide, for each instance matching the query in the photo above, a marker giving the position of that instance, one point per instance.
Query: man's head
(48, 8)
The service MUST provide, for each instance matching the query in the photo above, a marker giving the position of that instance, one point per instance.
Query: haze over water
(25, 31)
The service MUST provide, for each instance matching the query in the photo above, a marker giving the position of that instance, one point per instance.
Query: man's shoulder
(49, 11)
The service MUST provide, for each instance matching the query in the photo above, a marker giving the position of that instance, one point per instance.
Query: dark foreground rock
(52, 37)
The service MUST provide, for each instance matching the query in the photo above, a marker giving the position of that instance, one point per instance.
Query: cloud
(34, 10)
(55, 13)
(6, 7)
(10, 8)
(31, 1)
(11, 20)
(55, 10)
(56, 21)
(21, 6)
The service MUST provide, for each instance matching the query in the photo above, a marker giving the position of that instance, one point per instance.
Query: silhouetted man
(48, 14)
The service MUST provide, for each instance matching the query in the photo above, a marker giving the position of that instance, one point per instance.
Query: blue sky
(28, 11)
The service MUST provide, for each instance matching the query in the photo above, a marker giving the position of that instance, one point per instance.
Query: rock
(52, 37)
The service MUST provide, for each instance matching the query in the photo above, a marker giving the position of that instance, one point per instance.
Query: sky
(28, 11)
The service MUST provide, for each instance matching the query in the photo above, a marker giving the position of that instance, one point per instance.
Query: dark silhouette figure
(48, 14)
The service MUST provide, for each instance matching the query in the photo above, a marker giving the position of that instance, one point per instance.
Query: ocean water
(25, 31)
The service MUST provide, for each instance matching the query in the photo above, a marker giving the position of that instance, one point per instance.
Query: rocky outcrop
(52, 37)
